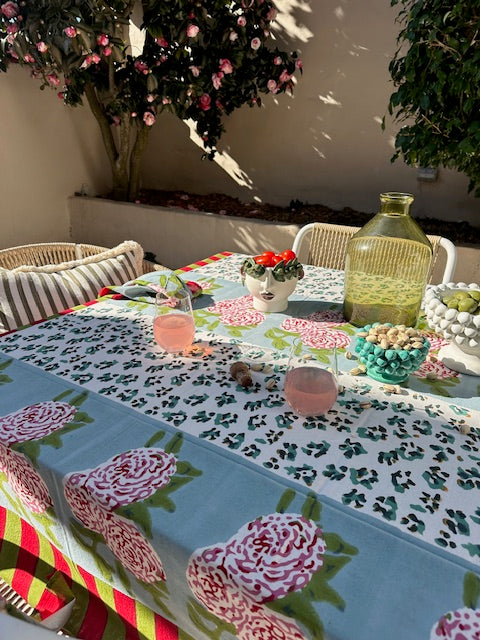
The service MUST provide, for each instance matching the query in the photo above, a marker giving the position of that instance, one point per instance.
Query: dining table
(161, 478)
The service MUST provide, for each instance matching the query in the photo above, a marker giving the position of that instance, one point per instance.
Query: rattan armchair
(47, 253)
(328, 247)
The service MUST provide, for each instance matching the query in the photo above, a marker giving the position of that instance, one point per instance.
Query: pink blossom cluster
(238, 312)
(30, 423)
(316, 330)
(265, 560)
(128, 477)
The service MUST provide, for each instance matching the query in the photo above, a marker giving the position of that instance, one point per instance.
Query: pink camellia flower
(42, 47)
(205, 102)
(134, 114)
(87, 510)
(149, 118)
(95, 58)
(166, 101)
(192, 31)
(133, 550)
(70, 32)
(10, 9)
(462, 624)
(277, 60)
(60, 95)
(255, 43)
(140, 66)
(263, 623)
(242, 21)
(272, 86)
(161, 42)
(28, 58)
(107, 51)
(298, 64)
(130, 476)
(217, 79)
(12, 28)
(103, 39)
(285, 76)
(226, 66)
(274, 555)
(35, 421)
(53, 79)
(272, 14)
(316, 330)
(238, 312)
(195, 70)
(116, 121)
(150, 97)
(233, 36)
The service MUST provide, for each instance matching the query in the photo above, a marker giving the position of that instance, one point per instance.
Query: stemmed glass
(174, 325)
(311, 386)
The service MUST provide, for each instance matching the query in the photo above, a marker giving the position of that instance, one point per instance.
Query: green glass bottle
(387, 266)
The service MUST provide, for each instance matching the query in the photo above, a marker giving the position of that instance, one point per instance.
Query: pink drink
(310, 391)
(174, 331)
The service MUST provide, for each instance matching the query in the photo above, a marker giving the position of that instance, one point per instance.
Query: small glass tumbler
(174, 325)
(311, 386)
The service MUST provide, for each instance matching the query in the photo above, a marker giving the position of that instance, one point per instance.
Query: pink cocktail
(174, 332)
(310, 391)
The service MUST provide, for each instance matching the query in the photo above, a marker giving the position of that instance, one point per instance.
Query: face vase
(268, 293)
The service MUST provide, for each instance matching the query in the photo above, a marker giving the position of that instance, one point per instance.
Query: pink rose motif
(26, 482)
(130, 476)
(192, 30)
(462, 624)
(438, 369)
(205, 101)
(133, 550)
(35, 421)
(211, 585)
(3, 457)
(238, 312)
(275, 555)
(436, 341)
(10, 9)
(266, 624)
(316, 330)
(83, 506)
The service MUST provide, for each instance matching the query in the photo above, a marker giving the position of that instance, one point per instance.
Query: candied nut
(348, 355)
(356, 371)
(256, 366)
(362, 367)
(365, 405)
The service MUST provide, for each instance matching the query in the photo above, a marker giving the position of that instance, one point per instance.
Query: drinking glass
(311, 386)
(173, 325)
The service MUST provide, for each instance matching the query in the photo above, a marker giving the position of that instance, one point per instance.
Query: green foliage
(200, 61)
(436, 71)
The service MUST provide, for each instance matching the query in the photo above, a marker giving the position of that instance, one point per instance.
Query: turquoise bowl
(391, 366)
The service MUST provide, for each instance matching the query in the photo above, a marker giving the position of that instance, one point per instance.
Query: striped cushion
(28, 293)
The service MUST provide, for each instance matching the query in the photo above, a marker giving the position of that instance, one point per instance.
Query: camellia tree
(199, 59)
(436, 70)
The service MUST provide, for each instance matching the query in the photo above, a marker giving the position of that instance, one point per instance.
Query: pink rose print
(26, 482)
(133, 550)
(209, 581)
(436, 341)
(130, 476)
(274, 555)
(265, 624)
(83, 506)
(266, 559)
(35, 421)
(238, 312)
(462, 624)
(440, 371)
(316, 329)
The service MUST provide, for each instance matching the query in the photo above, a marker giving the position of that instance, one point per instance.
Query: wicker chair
(47, 253)
(328, 247)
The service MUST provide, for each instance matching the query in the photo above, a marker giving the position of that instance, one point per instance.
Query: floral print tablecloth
(219, 507)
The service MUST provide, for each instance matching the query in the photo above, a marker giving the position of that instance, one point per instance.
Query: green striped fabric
(29, 294)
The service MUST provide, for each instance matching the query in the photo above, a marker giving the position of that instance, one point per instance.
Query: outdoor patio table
(219, 508)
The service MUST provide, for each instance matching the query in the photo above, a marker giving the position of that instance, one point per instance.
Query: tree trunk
(136, 156)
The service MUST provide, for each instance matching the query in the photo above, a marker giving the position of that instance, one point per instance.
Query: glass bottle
(387, 266)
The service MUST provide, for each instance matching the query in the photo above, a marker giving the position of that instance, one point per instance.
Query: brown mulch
(296, 213)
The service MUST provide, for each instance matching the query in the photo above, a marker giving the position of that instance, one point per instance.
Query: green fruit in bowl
(463, 301)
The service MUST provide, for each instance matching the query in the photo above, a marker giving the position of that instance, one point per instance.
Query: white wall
(47, 151)
(325, 145)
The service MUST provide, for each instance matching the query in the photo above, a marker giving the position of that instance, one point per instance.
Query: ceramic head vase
(271, 286)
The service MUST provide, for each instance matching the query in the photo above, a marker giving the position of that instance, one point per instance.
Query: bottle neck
(395, 204)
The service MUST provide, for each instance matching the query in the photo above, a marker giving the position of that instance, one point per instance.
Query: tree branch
(97, 110)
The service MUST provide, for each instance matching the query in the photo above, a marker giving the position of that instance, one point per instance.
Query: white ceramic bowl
(461, 328)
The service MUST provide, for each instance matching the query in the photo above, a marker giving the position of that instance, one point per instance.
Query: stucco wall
(323, 145)
(47, 152)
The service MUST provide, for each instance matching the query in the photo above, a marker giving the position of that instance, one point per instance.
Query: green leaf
(335, 544)
(155, 438)
(471, 590)
(296, 605)
(285, 500)
(139, 513)
(175, 444)
(312, 508)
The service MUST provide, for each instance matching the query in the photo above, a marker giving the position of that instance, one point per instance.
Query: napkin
(146, 287)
